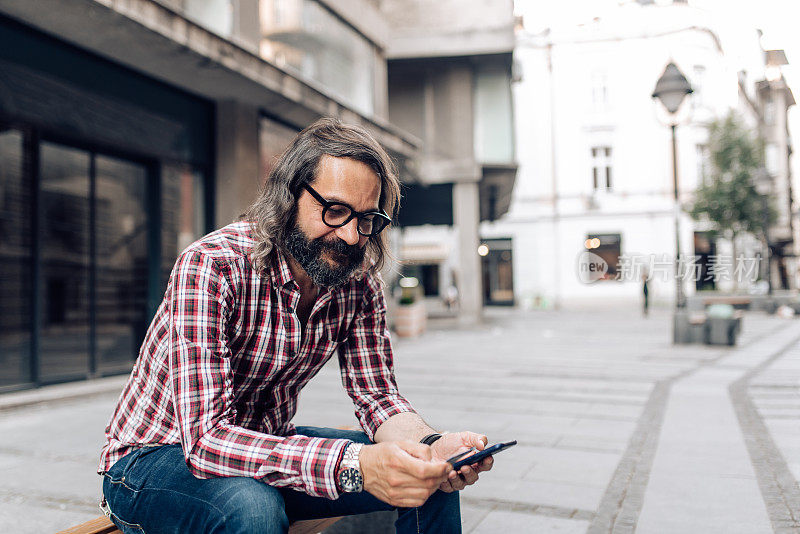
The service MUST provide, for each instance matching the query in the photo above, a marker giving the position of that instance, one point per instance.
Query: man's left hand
(451, 444)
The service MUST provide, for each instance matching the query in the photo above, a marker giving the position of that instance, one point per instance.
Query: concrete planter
(723, 330)
(410, 320)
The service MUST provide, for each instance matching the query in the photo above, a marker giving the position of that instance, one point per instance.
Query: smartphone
(460, 461)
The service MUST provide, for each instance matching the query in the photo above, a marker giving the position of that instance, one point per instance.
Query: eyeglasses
(337, 214)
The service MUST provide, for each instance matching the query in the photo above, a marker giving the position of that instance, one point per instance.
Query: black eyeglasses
(337, 214)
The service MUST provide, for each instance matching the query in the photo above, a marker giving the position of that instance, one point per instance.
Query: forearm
(406, 426)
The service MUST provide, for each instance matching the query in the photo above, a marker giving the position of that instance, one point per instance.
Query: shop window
(16, 281)
(428, 276)
(182, 212)
(609, 248)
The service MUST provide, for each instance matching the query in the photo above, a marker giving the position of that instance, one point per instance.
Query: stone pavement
(618, 430)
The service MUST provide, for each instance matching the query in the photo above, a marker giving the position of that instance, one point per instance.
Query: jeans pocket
(133, 469)
(125, 527)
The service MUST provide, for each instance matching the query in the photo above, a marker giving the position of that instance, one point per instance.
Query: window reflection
(64, 340)
(182, 214)
(121, 284)
(304, 36)
(15, 255)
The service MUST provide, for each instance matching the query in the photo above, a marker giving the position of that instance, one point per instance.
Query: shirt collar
(281, 274)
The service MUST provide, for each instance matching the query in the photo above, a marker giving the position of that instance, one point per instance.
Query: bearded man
(202, 440)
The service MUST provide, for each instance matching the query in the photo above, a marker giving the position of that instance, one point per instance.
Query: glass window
(215, 15)
(772, 157)
(494, 127)
(182, 213)
(497, 268)
(65, 262)
(601, 167)
(16, 283)
(122, 264)
(608, 247)
(305, 37)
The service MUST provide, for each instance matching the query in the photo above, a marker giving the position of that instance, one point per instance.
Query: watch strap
(430, 438)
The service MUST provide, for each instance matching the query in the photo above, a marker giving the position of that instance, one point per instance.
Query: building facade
(450, 72)
(596, 159)
(128, 129)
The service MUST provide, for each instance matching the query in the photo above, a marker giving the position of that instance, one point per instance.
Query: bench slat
(103, 525)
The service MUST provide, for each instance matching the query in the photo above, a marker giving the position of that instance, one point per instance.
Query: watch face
(350, 480)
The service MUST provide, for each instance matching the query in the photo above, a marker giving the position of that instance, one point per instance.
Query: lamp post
(763, 185)
(671, 89)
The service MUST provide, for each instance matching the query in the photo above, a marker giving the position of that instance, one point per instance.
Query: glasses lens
(367, 223)
(336, 214)
(372, 224)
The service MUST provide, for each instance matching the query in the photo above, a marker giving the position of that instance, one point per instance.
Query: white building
(595, 158)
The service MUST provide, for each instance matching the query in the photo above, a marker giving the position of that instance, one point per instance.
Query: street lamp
(671, 89)
(763, 185)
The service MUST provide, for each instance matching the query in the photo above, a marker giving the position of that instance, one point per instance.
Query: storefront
(105, 175)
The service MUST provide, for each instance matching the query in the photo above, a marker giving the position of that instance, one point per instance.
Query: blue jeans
(151, 490)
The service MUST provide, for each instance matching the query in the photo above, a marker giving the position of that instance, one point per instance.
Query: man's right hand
(401, 473)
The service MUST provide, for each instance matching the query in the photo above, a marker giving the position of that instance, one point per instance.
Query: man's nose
(349, 232)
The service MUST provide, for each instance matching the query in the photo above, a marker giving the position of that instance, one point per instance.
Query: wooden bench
(103, 525)
(734, 300)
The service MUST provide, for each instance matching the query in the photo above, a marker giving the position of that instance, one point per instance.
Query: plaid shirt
(225, 357)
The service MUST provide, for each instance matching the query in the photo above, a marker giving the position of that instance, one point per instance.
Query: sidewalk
(618, 430)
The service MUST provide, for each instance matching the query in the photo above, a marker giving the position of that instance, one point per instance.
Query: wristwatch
(350, 478)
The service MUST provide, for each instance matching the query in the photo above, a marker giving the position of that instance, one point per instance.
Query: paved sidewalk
(618, 429)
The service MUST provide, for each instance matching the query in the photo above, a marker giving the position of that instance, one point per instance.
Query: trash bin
(723, 324)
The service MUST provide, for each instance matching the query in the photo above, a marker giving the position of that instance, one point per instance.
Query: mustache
(352, 252)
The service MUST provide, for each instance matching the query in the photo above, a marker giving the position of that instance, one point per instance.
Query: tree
(728, 197)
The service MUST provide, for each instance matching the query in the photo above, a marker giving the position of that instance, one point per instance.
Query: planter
(410, 319)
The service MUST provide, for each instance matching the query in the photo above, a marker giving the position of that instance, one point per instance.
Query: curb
(60, 392)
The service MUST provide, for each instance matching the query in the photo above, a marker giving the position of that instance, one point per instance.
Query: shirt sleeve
(201, 301)
(367, 364)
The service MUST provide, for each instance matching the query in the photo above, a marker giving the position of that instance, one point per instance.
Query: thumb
(479, 441)
(417, 450)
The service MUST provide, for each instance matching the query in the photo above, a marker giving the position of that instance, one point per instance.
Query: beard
(309, 254)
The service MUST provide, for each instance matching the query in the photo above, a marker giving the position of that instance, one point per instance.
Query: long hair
(272, 215)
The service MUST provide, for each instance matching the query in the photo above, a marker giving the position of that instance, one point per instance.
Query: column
(466, 215)
(237, 165)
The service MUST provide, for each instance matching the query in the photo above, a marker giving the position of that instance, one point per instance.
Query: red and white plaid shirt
(223, 362)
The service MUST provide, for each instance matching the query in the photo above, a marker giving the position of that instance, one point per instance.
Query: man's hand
(451, 444)
(402, 473)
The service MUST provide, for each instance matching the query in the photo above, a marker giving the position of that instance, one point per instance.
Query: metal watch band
(350, 457)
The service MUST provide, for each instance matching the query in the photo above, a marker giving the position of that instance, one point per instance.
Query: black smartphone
(459, 461)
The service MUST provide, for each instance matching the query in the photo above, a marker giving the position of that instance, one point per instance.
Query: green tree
(728, 197)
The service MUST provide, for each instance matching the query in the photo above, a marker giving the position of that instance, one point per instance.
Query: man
(201, 439)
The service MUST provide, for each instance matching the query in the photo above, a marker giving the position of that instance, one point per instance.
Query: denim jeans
(151, 490)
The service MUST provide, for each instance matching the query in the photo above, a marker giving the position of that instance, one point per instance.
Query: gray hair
(273, 213)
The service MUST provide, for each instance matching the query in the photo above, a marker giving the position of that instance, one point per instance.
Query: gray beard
(308, 253)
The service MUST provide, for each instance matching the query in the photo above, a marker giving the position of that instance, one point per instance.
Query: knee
(253, 507)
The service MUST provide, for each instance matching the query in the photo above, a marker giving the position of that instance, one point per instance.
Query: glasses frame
(327, 204)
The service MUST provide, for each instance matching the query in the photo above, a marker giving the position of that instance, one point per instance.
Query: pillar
(237, 163)
(466, 214)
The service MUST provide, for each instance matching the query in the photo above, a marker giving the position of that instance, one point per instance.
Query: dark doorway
(497, 268)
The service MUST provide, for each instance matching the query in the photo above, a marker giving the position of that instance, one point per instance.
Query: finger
(422, 470)
(478, 441)
(446, 487)
(468, 475)
(485, 464)
(457, 483)
(417, 450)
